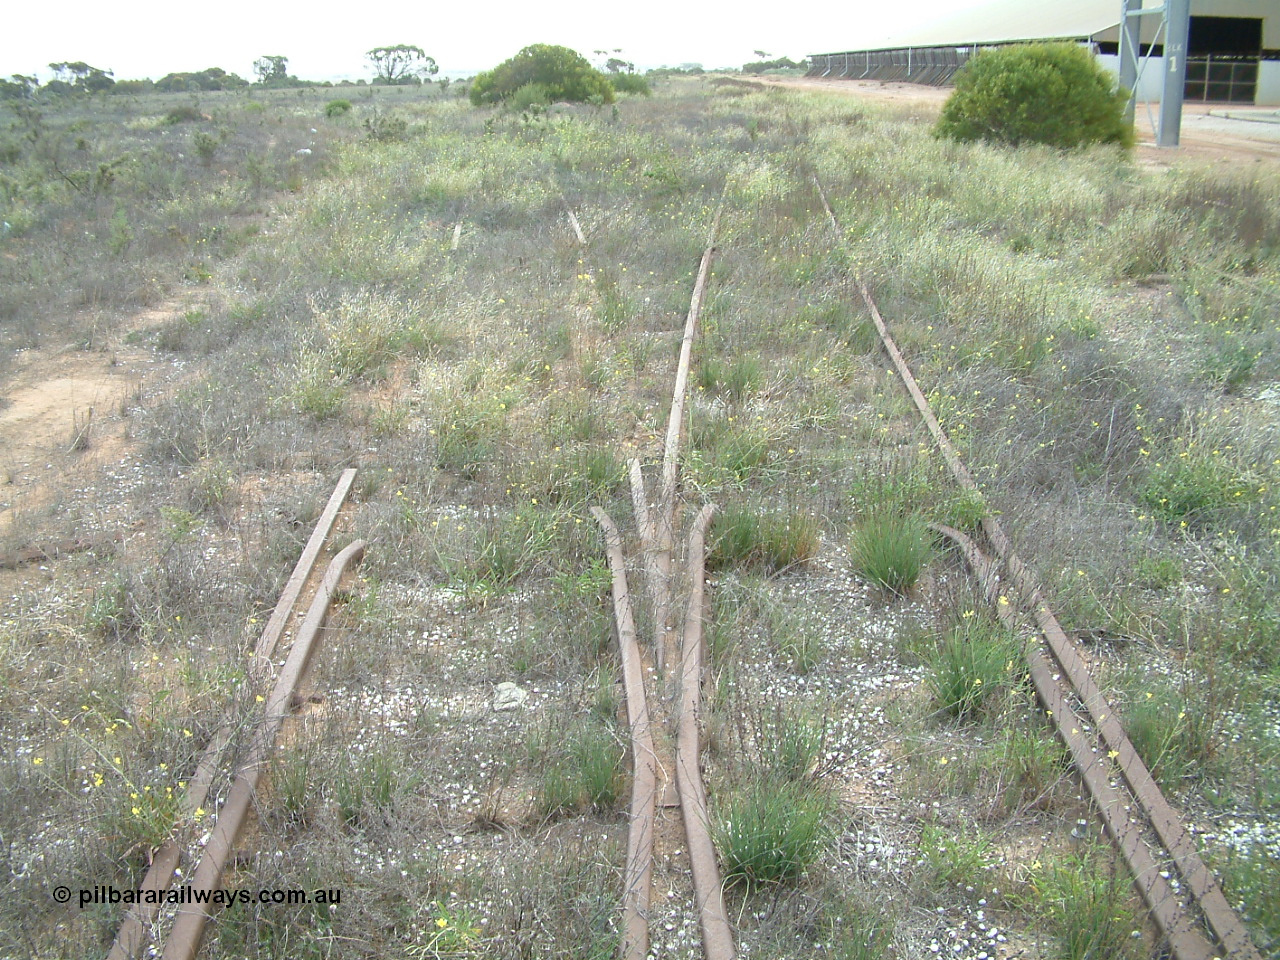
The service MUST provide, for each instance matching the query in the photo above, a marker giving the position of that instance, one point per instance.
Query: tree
(79, 76)
(18, 87)
(1051, 93)
(271, 70)
(558, 72)
(402, 63)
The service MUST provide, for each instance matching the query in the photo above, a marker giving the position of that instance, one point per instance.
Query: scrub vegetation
(407, 297)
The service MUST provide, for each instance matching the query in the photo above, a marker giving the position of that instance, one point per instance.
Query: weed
(769, 831)
(973, 663)
(957, 858)
(770, 541)
(583, 774)
(1085, 899)
(891, 550)
(734, 381)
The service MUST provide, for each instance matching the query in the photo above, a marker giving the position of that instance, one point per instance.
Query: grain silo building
(1233, 54)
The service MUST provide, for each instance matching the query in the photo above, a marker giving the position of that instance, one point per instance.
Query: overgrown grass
(971, 665)
(762, 539)
(891, 550)
(770, 831)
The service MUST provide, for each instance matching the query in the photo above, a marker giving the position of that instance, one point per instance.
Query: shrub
(337, 108)
(630, 83)
(182, 115)
(565, 73)
(1051, 93)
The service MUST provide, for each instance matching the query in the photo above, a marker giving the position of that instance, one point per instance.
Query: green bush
(182, 115)
(630, 83)
(337, 108)
(564, 73)
(1052, 93)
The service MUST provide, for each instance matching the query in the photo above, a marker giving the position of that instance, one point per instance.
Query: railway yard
(731, 523)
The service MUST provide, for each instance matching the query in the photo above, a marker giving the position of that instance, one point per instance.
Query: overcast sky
(149, 38)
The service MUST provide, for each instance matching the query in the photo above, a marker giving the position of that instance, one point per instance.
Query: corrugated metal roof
(1005, 21)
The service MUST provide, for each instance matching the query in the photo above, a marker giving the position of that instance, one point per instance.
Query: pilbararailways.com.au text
(184, 895)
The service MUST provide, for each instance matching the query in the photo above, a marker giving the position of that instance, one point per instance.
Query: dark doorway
(1222, 59)
(1227, 36)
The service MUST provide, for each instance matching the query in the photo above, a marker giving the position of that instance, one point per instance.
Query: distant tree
(402, 63)
(213, 78)
(271, 69)
(18, 87)
(80, 77)
(781, 63)
(563, 74)
(1052, 93)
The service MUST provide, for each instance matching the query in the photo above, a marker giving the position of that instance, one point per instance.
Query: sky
(150, 38)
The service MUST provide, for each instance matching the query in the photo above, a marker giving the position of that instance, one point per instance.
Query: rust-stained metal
(135, 929)
(1094, 766)
(188, 929)
(717, 937)
(663, 524)
(638, 876)
(1185, 940)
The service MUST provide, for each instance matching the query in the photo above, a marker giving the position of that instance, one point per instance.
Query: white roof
(1005, 21)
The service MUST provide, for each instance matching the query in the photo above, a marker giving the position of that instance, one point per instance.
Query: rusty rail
(1184, 938)
(135, 928)
(717, 937)
(638, 876)
(656, 524)
(188, 929)
(1170, 913)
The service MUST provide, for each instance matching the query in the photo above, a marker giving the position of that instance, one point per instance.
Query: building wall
(1151, 82)
(1268, 11)
(1268, 83)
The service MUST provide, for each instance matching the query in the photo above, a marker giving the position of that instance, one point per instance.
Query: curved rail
(717, 937)
(656, 524)
(1125, 826)
(638, 876)
(135, 928)
(1185, 940)
(188, 929)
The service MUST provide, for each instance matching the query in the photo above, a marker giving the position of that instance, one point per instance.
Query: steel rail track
(656, 526)
(1177, 924)
(135, 929)
(188, 928)
(1077, 708)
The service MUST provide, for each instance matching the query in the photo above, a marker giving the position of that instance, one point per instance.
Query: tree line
(401, 63)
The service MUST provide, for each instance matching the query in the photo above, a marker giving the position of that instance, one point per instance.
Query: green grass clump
(770, 830)
(972, 663)
(1085, 900)
(1193, 484)
(584, 774)
(745, 536)
(891, 549)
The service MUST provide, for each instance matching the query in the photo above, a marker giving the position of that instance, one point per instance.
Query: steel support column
(1176, 32)
(1130, 37)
